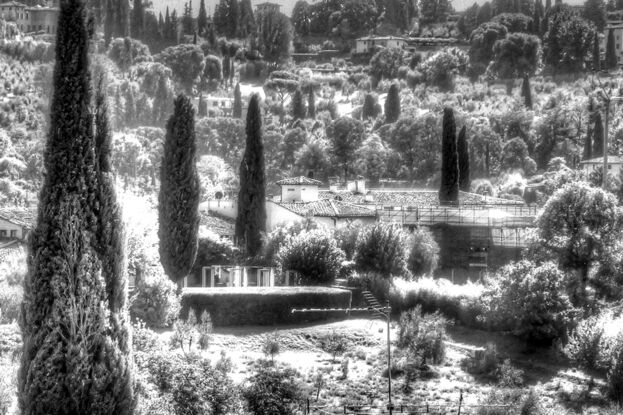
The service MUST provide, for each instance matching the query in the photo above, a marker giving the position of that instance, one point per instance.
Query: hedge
(264, 306)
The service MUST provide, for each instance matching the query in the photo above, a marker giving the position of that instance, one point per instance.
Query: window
(13, 234)
(2, 233)
(215, 104)
(291, 190)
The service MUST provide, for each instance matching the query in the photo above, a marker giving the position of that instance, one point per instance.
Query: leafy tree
(370, 107)
(568, 40)
(543, 312)
(186, 61)
(251, 220)
(434, 11)
(126, 52)
(392, 104)
(178, 201)
(247, 19)
(449, 190)
(273, 391)
(598, 136)
(313, 157)
(595, 11)
(386, 62)
(514, 22)
(580, 226)
(283, 84)
(212, 71)
(463, 154)
(354, 19)
(381, 250)
(237, 113)
(345, 135)
(138, 19)
(611, 57)
(441, 68)
(301, 18)
(314, 255)
(202, 19)
(372, 159)
(516, 56)
(274, 36)
(423, 254)
(481, 46)
(299, 111)
(469, 21)
(75, 355)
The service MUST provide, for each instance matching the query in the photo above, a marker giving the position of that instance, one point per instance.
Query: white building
(16, 223)
(369, 44)
(614, 165)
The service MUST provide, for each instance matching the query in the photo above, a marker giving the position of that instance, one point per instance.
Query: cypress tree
(202, 19)
(463, 154)
(122, 18)
(526, 92)
(598, 136)
(588, 146)
(161, 101)
(596, 53)
(203, 107)
(611, 57)
(109, 21)
(251, 220)
(75, 355)
(237, 102)
(226, 69)
(138, 19)
(392, 104)
(298, 105)
(234, 18)
(130, 108)
(311, 104)
(369, 107)
(178, 201)
(449, 190)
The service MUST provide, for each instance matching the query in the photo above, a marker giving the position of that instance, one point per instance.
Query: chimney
(360, 186)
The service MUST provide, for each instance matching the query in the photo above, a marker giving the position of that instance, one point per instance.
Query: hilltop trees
(516, 56)
(345, 136)
(178, 201)
(449, 190)
(75, 356)
(251, 219)
(274, 36)
(598, 136)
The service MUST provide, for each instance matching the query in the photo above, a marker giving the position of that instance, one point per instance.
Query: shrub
(10, 303)
(509, 376)
(381, 250)
(155, 302)
(334, 343)
(271, 348)
(483, 363)
(273, 391)
(530, 404)
(205, 330)
(424, 253)
(423, 336)
(161, 367)
(588, 346)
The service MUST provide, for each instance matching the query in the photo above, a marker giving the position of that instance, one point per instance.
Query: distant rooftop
(12, 4)
(414, 198)
(301, 180)
(21, 216)
(328, 208)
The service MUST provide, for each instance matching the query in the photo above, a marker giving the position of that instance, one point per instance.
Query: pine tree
(166, 31)
(449, 190)
(598, 136)
(237, 113)
(298, 105)
(392, 104)
(311, 104)
(75, 355)
(596, 53)
(187, 18)
(178, 201)
(463, 154)
(202, 19)
(526, 92)
(251, 220)
(173, 30)
(611, 57)
(138, 19)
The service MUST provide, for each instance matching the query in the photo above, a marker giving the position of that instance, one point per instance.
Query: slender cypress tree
(526, 92)
(596, 53)
(598, 136)
(130, 108)
(449, 190)
(203, 107)
(611, 57)
(392, 104)
(202, 19)
(463, 154)
(237, 102)
(298, 105)
(369, 107)
(251, 220)
(109, 21)
(588, 146)
(178, 201)
(138, 19)
(161, 102)
(76, 354)
(122, 18)
(311, 104)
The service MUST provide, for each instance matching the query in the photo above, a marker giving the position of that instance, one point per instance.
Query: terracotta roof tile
(416, 198)
(328, 208)
(301, 180)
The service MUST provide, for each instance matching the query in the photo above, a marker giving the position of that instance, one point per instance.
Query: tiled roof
(329, 208)
(217, 224)
(26, 217)
(12, 3)
(414, 198)
(301, 180)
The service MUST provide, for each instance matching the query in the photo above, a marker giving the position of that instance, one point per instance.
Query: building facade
(31, 19)
(370, 44)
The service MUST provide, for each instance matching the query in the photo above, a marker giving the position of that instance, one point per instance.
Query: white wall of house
(11, 230)
(299, 193)
(277, 215)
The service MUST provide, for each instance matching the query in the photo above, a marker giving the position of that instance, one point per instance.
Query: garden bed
(264, 306)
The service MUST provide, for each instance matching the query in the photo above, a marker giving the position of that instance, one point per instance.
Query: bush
(423, 336)
(314, 255)
(588, 346)
(530, 405)
(10, 303)
(264, 306)
(155, 302)
(381, 250)
(509, 376)
(424, 253)
(273, 391)
(334, 343)
(271, 348)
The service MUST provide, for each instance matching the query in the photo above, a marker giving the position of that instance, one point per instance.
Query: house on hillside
(369, 44)
(614, 165)
(42, 19)
(16, 223)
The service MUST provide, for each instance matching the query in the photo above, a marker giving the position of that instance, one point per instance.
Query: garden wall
(264, 306)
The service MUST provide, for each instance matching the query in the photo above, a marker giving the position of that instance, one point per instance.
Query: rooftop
(381, 38)
(217, 224)
(301, 180)
(328, 208)
(376, 197)
(21, 216)
(12, 4)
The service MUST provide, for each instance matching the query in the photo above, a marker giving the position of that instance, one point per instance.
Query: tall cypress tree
(234, 18)
(251, 220)
(587, 154)
(178, 201)
(76, 354)
(596, 53)
(369, 107)
(138, 19)
(449, 190)
(526, 92)
(122, 19)
(202, 19)
(298, 105)
(237, 113)
(109, 21)
(598, 136)
(392, 104)
(611, 57)
(311, 104)
(463, 154)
